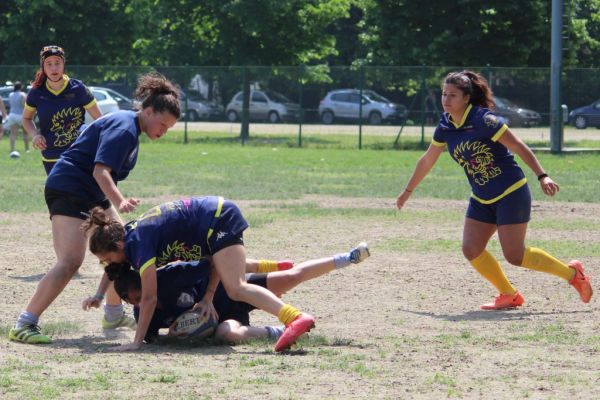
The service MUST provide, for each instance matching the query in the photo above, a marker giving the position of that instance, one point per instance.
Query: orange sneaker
(580, 282)
(504, 301)
(302, 324)
(284, 265)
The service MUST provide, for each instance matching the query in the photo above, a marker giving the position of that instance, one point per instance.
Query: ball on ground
(191, 325)
(15, 154)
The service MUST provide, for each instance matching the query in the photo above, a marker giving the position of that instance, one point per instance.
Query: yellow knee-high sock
(287, 314)
(267, 266)
(487, 265)
(539, 260)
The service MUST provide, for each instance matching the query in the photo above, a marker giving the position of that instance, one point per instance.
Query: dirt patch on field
(404, 324)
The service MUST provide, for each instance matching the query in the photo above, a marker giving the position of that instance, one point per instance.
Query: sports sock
(267, 266)
(539, 260)
(113, 312)
(487, 265)
(274, 332)
(26, 318)
(342, 260)
(287, 314)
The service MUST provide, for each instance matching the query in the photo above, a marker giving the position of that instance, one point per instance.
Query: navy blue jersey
(112, 140)
(60, 114)
(180, 285)
(181, 230)
(473, 143)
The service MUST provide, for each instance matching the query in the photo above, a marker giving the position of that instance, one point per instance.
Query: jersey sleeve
(141, 253)
(88, 98)
(493, 126)
(438, 139)
(32, 100)
(114, 148)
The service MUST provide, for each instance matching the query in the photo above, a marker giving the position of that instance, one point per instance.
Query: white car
(105, 101)
(264, 105)
(345, 104)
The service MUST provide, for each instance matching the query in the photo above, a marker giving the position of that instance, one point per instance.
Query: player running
(60, 103)
(501, 201)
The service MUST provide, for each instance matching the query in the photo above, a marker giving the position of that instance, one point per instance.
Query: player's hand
(129, 347)
(38, 142)
(402, 198)
(90, 302)
(549, 187)
(207, 309)
(128, 205)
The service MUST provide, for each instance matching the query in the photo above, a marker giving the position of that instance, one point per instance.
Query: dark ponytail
(156, 91)
(104, 233)
(475, 85)
(124, 278)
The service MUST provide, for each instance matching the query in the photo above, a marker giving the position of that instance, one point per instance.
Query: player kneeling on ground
(182, 285)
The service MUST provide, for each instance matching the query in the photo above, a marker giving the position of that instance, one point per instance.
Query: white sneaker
(360, 253)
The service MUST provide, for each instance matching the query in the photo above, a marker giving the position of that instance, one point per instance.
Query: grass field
(404, 324)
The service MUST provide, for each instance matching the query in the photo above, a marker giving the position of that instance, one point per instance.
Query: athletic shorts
(69, 205)
(13, 119)
(228, 228)
(515, 208)
(237, 310)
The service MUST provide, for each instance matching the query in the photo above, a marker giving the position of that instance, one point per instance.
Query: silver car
(196, 109)
(345, 104)
(264, 105)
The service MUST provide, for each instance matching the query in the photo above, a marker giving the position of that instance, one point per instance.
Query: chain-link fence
(373, 105)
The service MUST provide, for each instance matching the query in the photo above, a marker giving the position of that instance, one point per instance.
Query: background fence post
(301, 110)
(361, 83)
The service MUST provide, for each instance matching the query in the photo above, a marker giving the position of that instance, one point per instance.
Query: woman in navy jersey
(60, 103)
(483, 146)
(85, 177)
(189, 230)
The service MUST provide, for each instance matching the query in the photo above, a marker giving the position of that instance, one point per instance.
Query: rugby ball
(15, 154)
(191, 325)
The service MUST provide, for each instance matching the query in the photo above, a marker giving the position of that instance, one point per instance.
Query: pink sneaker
(302, 324)
(580, 282)
(505, 301)
(284, 265)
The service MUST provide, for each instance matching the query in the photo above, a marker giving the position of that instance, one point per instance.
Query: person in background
(60, 103)
(483, 145)
(16, 100)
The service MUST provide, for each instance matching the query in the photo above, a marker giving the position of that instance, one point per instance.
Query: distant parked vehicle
(585, 116)
(514, 115)
(264, 105)
(345, 104)
(105, 101)
(195, 108)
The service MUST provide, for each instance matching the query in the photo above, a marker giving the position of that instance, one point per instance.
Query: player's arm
(206, 304)
(94, 111)
(424, 165)
(3, 110)
(37, 140)
(147, 307)
(516, 145)
(109, 188)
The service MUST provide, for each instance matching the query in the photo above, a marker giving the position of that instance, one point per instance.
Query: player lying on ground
(188, 230)
(181, 285)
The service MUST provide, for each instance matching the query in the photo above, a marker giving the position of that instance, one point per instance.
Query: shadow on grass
(38, 277)
(497, 315)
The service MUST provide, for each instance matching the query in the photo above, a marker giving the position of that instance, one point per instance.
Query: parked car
(585, 116)
(195, 108)
(105, 101)
(345, 104)
(264, 105)
(124, 102)
(514, 115)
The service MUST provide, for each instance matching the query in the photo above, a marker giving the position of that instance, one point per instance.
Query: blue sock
(26, 318)
(274, 332)
(113, 313)
(341, 260)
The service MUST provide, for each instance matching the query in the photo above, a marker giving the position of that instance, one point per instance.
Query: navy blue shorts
(514, 208)
(69, 205)
(237, 310)
(228, 228)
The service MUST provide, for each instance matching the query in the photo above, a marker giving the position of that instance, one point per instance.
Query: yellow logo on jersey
(178, 251)
(477, 160)
(65, 125)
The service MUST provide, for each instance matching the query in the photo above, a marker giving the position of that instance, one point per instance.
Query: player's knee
(513, 257)
(66, 268)
(471, 252)
(229, 331)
